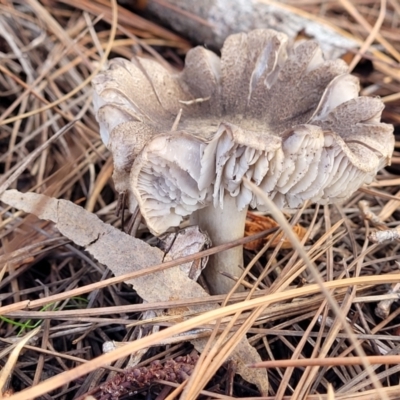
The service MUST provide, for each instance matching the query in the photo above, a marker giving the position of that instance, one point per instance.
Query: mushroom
(275, 113)
(133, 101)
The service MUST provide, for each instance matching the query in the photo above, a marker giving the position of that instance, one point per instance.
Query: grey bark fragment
(222, 18)
(124, 254)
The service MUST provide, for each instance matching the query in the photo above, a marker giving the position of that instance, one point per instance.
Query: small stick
(363, 205)
(386, 235)
(176, 122)
(134, 222)
(382, 310)
(327, 362)
(199, 100)
(120, 208)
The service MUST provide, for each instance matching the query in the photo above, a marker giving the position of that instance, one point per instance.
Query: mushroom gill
(275, 112)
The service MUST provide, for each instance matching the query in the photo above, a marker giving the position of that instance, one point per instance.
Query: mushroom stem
(223, 226)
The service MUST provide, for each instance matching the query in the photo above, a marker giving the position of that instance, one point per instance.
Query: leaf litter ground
(49, 52)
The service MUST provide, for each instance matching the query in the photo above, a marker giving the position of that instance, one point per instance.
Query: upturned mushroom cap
(274, 112)
(133, 102)
(165, 177)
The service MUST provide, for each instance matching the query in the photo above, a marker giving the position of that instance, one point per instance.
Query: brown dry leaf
(123, 254)
(258, 223)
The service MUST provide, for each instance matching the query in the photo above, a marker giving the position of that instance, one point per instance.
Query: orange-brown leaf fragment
(258, 223)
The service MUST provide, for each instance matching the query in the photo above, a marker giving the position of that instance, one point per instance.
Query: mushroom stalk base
(223, 226)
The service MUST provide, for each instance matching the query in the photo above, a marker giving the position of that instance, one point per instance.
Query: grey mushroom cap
(273, 112)
(164, 180)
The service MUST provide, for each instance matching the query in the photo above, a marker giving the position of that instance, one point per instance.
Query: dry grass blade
(372, 35)
(86, 81)
(331, 393)
(50, 145)
(282, 221)
(6, 371)
(66, 377)
(372, 31)
(7, 181)
(329, 362)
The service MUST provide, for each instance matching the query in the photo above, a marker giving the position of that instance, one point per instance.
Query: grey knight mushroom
(273, 112)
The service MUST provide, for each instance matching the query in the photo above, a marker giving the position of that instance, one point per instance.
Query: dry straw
(298, 299)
